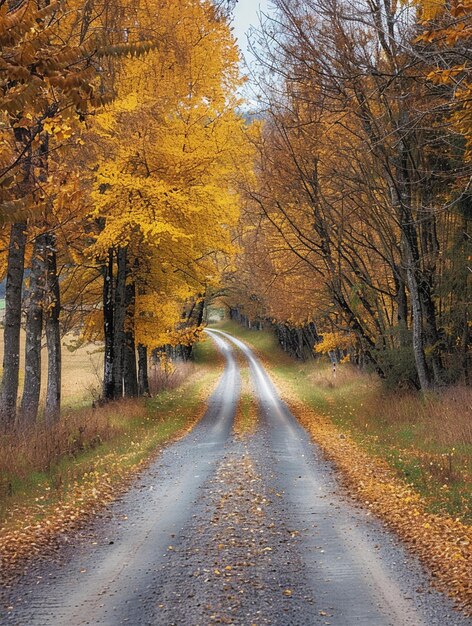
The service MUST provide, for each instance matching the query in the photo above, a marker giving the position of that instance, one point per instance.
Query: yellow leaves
(128, 103)
(16, 210)
(335, 341)
(59, 129)
(453, 35)
(444, 76)
(157, 166)
(158, 320)
(167, 186)
(459, 9)
(431, 8)
(443, 543)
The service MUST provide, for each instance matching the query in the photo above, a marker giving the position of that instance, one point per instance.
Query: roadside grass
(426, 440)
(50, 480)
(375, 437)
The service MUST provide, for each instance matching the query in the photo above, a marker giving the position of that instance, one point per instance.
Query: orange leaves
(442, 77)
(435, 9)
(431, 8)
(448, 26)
(15, 24)
(442, 543)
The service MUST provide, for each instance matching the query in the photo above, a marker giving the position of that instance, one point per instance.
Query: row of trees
(359, 221)
(120, 144)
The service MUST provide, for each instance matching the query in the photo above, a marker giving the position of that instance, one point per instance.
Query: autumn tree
(164, 198)
(53, 72)
(359, 175)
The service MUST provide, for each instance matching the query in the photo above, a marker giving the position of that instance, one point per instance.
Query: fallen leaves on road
(39, 527)
(442, 543)
(239, 557)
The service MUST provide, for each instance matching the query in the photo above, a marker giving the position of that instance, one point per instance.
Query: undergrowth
(43, 467)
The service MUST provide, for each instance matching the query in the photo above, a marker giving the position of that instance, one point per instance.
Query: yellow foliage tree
(165, 189)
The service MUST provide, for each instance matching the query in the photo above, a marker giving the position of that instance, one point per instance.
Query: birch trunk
(11, 337)
(108, 328)
(53, 335)
(34, 331)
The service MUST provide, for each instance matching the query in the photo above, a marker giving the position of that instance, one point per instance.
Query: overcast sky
(245, 16)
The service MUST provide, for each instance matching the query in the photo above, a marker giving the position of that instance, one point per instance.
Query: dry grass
(40, 453)
(51, 481)
(39, 449)
(321, 375)
(428, 438)
(169, 377)
(81, 369)
(446, 416)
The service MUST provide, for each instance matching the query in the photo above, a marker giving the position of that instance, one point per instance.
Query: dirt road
(227, 530)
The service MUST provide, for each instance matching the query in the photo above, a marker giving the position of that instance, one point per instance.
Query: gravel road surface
(231, 530)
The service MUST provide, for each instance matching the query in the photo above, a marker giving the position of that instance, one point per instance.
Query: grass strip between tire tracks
(246, 418)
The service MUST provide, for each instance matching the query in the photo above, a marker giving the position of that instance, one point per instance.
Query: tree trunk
(119, 324)
(143, 379)
(200, 311)
(34, 331)
(418, 345)
(108, 328)
(311, 338)
(53, 335)
(429, 254)
(300, 343)
(411, 260)
(11, 337)
(431, 330)
(402, 307)
(130, 375)
(466, 343)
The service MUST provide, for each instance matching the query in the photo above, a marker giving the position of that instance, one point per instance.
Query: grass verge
(51, 483)
(374, 440)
